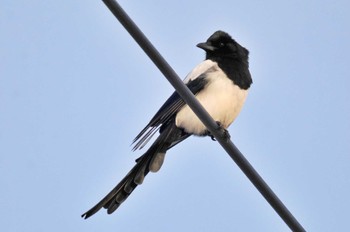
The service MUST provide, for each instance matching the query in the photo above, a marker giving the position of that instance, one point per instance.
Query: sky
(75, 90)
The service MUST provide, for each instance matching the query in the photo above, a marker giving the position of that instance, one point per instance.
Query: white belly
(221, 98)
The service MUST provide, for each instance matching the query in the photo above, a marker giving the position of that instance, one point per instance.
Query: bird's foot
(225, 133)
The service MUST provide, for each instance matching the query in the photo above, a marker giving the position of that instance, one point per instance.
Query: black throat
(236, 70)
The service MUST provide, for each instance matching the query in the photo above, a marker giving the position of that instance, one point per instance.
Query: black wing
(167, 111)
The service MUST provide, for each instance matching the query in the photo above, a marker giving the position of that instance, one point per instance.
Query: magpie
(220, 83)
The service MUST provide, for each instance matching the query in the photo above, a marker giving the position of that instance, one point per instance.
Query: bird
(220, 83)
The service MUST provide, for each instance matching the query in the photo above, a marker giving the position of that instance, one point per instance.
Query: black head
(220, 44)
(231, 57)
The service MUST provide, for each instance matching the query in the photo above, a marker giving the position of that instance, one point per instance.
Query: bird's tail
(152, 160)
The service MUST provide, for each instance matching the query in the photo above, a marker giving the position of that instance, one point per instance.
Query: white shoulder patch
(200, 69)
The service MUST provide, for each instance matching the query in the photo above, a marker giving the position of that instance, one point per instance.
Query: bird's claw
(225, 133)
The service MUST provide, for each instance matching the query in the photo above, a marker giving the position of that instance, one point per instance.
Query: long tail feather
(152, 160)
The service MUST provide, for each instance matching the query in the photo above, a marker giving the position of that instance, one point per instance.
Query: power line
(203, 115)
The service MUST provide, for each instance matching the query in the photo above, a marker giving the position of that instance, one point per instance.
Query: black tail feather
(147, 162)
(125, 187)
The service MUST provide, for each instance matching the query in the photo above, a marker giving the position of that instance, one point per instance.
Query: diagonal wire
(211, 125)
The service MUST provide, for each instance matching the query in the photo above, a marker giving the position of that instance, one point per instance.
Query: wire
(203, 115)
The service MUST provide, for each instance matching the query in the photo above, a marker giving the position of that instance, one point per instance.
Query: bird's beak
(206, 47)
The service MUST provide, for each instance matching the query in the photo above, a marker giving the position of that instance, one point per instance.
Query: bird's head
(220, 44)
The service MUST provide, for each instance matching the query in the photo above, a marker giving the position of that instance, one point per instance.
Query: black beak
(206, 47)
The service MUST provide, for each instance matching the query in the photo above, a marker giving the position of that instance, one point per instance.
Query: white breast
(221, 98)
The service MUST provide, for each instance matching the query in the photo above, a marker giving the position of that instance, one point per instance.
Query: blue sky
(75, 89)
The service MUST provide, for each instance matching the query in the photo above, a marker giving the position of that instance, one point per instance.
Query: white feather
(200, 69)
(221, 98)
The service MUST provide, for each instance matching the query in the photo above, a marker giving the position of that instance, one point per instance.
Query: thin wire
(203, 115)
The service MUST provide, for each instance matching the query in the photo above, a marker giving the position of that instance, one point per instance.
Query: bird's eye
(221, 44)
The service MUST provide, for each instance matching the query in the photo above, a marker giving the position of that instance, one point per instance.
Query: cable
(201, 113)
